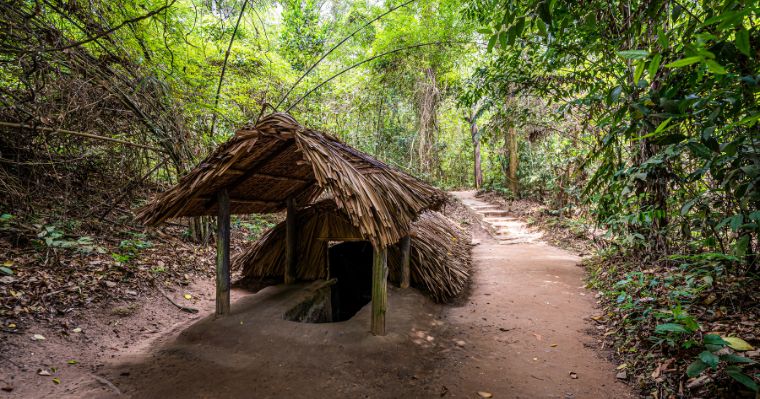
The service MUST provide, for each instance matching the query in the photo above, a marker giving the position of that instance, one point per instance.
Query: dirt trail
(525, 325)
(519, 333)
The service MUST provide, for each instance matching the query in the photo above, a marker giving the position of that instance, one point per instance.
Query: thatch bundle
(264, 165)
(440, 252)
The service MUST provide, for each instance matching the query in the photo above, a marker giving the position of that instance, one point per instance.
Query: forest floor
(523, 330)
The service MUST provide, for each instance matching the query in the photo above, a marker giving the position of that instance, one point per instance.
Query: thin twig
(336, 46)
(224, 66)
(109, 31)
(106, 383)
(358, 64)
(180, 307)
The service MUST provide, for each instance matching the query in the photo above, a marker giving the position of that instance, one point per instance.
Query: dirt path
(525, 325)
(519, 333)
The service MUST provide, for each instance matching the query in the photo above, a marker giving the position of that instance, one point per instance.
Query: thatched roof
(264, 165)
(440, 251)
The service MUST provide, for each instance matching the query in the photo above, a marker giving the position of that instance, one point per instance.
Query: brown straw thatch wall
(440, 250)
(264, 165)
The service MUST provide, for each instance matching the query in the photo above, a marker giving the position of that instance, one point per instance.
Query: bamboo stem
(80, 134)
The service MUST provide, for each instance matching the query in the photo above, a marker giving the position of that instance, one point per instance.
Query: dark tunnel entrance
(351, 265)
(349, 288)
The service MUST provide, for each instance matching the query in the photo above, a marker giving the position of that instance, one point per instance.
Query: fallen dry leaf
(738, 344)
(38, 337)
(484, 394)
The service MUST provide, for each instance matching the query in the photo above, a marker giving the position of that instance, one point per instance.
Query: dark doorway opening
(351, 265)
(345, 293)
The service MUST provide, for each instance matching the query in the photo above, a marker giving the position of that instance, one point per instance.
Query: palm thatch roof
(264, 165)
(439, 256)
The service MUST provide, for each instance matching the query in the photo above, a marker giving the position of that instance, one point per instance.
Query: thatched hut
(276, 165)
(439, 252)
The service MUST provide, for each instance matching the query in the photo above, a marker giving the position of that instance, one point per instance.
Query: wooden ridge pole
(379, 290)
(291, 243)
(406, 244)
(223, 254)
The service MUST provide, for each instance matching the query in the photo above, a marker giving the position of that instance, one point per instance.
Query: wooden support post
(379, 290)
(223, 254)
(406, 275)
(291, 243)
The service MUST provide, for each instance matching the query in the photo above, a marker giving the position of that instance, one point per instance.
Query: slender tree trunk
(513, 161)
(475, 133)
(428, 97)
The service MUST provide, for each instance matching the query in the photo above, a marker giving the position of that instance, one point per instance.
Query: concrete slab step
(495, 212)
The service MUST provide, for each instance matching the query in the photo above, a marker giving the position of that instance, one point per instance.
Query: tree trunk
(379, 290)
(513, 161)
(475, 133)
(428, 97)
(223, 254)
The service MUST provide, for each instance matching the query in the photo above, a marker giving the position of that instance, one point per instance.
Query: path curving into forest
(525, 326)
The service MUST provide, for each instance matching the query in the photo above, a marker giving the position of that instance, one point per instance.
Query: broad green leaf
(714, 67)
(638, 71)
(709, 359)
(541, 27)
(736, 222)
(731, 358)
(742, 42)
(6, 270)
(738, 344)
(696, 368)
(699, 150)
(736, 373)
(741, 246)
(669, 327)
(633, 54)
(654, 65)
(688, 205)
(714, 339)
(492, 42)
(684, 62)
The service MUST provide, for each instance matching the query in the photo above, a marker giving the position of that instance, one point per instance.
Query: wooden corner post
(291, 243)
(379, 290)
(223, 254)
(406, 274)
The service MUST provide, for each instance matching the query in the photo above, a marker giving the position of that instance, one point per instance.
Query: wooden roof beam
(248, 201)
(280, 178)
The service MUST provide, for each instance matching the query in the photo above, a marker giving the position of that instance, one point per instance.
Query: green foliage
(672, 158)
(130, 249)
(254, 226)
(302, 38)
(53, 237)
(714, 357)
